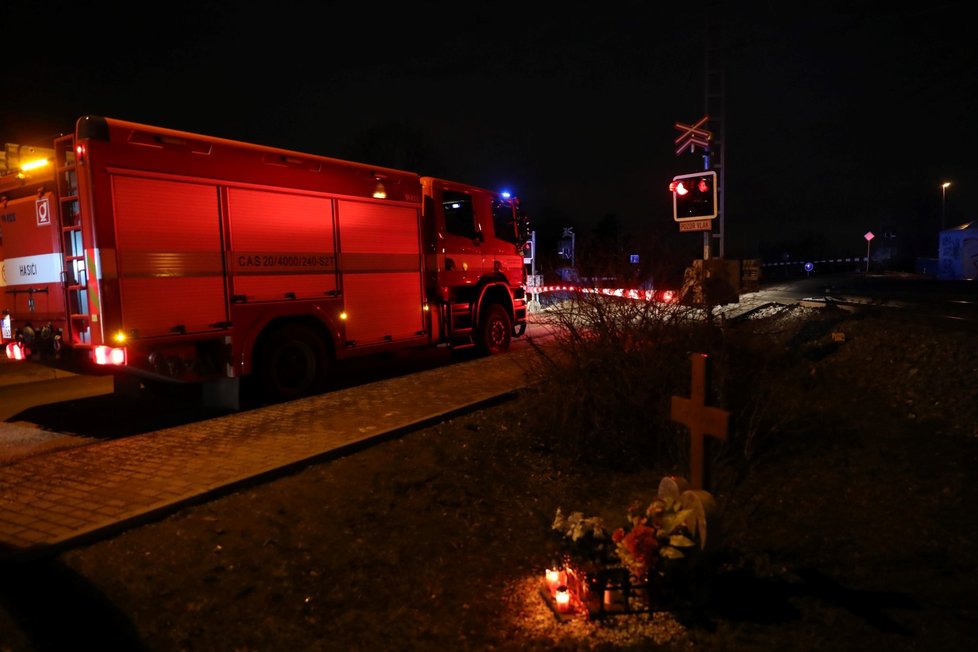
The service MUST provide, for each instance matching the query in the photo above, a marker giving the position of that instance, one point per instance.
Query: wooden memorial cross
(701, 419)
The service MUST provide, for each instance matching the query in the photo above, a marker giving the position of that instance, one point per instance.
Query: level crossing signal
(694, 196)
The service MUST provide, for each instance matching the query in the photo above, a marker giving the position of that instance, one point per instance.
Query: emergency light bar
(33, 165)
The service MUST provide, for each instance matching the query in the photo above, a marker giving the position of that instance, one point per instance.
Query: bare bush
(610, 374)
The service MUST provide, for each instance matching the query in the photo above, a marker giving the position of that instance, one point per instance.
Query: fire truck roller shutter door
(171, 276)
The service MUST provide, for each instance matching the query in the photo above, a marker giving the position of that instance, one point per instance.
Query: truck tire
(495, 330)
(292, 363)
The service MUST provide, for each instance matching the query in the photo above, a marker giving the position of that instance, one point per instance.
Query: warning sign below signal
(696, 225)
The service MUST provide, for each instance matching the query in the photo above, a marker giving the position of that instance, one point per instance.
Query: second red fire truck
(171, 256)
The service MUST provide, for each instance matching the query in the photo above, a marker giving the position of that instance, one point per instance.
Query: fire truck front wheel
(291, 362)
(495, 330)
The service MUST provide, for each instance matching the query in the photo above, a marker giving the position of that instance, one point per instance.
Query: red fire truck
(163, 255)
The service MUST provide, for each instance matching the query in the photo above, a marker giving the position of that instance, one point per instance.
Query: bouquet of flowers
(637, 546)
(584, 540)
(672, 526)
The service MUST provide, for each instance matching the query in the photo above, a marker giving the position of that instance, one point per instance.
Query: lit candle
(613, 597)
(553, 580)
(562, 597)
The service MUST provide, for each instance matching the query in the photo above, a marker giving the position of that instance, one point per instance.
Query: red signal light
(703, 186)
(679, 188)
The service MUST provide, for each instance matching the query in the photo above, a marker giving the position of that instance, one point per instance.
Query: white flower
(598, 529)
(576, 525)
(560, 523)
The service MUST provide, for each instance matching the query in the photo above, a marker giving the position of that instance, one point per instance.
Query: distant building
(958, 252)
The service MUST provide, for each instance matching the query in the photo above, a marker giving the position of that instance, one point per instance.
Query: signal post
(694, 208)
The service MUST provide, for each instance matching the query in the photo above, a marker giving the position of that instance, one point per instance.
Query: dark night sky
(841, 117)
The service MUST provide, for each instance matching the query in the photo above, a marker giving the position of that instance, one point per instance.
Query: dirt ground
(854, 529)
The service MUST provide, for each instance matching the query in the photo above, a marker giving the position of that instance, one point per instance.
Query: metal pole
(706, 150)
(944, 203)
(533, 253)
(573, 249)
(707, 234)
(715, 108)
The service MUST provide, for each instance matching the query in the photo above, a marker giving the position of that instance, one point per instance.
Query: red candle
(553, 580)
(562, 597)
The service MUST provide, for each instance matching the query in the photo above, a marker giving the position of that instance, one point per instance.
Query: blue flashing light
(506, 194)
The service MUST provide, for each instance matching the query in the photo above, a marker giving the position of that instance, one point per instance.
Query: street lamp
(943, 201)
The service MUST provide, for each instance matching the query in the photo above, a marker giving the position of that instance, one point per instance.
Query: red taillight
(17, 351)
(668, 296)
(108, 355)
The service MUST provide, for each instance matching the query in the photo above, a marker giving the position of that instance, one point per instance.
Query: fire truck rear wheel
(495, 330)
(292, 362)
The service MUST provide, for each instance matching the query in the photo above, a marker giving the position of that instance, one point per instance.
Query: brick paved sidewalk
(50, 502)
